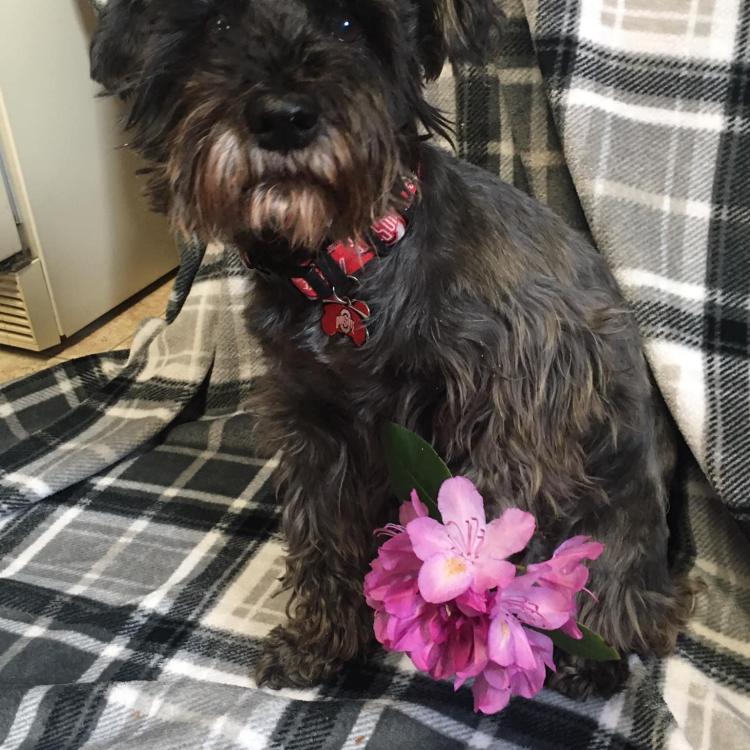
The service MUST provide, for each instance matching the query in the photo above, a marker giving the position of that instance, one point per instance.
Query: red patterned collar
(330, 278)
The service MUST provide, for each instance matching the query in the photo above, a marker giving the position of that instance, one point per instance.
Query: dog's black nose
(283, 123)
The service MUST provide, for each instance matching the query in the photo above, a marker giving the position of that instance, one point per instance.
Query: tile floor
(111, 332)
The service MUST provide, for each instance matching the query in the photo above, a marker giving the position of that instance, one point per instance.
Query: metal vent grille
(15, 323)
(26, 315)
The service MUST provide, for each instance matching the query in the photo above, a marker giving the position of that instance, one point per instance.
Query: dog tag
(346, 318)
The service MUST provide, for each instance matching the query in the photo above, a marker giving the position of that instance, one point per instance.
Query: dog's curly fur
(497, 332)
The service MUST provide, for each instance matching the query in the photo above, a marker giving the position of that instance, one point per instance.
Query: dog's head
(293, 118)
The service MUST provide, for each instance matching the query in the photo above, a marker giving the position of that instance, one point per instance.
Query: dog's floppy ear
(118, 42)
(458, 30)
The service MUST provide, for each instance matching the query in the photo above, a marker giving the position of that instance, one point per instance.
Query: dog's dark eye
(345, 29)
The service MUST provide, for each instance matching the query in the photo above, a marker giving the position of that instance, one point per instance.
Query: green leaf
(591, 646)
(413, 464)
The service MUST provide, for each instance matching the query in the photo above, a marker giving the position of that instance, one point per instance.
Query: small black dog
(291, 129)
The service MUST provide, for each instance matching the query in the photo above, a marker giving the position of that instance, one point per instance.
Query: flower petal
(428, 538)
(508, 644)
(459, 503)
(565, 569)
(402, 598)
(479, 657)
(425, 657)
(571, 628)
(510, 533)
(380, 628)
(543, 647)
(580, 547)
(539, 606)
(490, 573)
(444, 577)
(415, 509)
(472, 604)
(397, 554)
(409, 637)
(488, 699)
(528, 682)
(497, 676)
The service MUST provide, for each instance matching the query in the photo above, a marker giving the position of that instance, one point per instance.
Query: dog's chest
(326, 366)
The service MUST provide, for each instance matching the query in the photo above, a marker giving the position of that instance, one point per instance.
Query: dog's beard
(220, 183)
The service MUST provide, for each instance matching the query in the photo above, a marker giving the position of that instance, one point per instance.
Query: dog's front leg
(329, 513)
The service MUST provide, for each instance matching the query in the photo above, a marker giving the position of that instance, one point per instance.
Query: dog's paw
(581, 678)
(284, 663)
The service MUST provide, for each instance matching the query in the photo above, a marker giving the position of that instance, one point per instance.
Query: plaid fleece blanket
(139, 546)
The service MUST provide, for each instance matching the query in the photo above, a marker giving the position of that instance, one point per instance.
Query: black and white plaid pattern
(139, 548)
(650, 101)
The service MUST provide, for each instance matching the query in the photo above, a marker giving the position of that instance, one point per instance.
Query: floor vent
(27, 319)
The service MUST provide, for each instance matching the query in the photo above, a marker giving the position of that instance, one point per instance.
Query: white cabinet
(82, 212)
(10, 243)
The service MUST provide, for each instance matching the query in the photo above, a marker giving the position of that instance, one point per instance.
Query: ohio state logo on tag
(345, 318)
(390, 229)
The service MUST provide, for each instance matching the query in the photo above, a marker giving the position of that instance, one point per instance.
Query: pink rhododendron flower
(391, 586)
(566, 573)
(494, 687)
(442, 640)
(392, 583)
(523, 602)
(445, 594)
(464, 552)
(453, 645)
